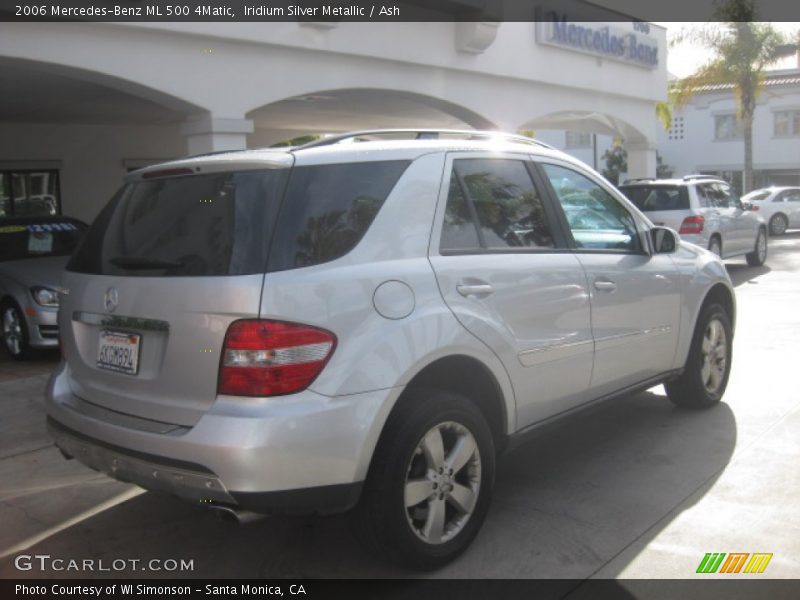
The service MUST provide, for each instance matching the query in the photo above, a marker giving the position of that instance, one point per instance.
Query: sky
(683, 59)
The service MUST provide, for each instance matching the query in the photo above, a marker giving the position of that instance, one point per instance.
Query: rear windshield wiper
(143, 262)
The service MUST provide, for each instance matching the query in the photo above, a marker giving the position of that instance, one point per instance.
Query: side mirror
(664, 240)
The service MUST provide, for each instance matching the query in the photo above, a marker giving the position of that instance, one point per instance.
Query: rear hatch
(176, 256)
(666, 205)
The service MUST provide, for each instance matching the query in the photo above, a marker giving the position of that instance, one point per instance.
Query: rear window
(222, 223)
(37, 239)
(200, 225)
(650, 198)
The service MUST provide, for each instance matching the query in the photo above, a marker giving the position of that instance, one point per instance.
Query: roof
(783, 78)
(345, 147)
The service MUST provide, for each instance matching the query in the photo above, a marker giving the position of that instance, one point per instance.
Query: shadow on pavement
(566, 503)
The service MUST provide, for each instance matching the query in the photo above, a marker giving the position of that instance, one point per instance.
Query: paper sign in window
(40, 243)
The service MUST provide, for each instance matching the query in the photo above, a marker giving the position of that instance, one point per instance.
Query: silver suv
(366, 322)
(705, 211)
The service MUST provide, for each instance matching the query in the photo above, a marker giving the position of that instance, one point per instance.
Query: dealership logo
(734, 562)
(111, 299)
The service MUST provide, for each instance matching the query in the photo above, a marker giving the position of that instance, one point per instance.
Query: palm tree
(742, 51)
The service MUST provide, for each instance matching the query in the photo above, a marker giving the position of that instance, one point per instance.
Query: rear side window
(499, 194)
(327, 210)
(652, 198)
(200, 225)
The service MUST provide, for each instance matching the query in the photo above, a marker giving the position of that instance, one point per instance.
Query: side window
(718, 195)
(727, 196)
(500, 195)
(793, 196)
(704, 196)
(598, 221)
(328, 208)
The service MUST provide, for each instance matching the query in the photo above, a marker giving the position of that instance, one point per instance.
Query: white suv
(705, 211)
(367, 321)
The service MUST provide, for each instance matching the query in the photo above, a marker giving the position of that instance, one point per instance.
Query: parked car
(705, 211)
(368, 324)
(778, 206)
(33, 253)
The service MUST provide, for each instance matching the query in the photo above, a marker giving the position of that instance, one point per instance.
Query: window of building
(578, 139)
(727, 127)
(29, 193)
(676, 130)
(787, 123)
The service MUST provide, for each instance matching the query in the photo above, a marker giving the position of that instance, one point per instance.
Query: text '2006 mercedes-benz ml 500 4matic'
(366, 322)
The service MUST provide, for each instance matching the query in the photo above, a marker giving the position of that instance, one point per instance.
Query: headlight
(45, 296)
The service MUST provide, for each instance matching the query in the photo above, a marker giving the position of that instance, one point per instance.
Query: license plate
(119, 352)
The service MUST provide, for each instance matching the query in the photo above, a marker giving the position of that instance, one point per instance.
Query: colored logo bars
(736, 562)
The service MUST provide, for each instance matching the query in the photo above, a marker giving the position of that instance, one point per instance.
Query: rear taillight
(755, 207)
(271, 358)
(693, 224)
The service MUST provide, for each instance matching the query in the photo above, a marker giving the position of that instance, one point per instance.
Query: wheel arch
(722, 295)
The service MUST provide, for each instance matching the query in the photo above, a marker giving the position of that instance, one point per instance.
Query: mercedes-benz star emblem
(111, 299)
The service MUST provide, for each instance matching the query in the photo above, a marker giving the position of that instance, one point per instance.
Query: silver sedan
(780, 207)
(33, 253)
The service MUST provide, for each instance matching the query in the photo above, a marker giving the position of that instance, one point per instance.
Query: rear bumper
(303, 453)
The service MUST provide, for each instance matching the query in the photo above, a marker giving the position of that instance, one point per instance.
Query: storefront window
(29, 193)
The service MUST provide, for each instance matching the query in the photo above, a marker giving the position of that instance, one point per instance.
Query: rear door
(503, 269)
(161, 273)
(791, 204)
(635, 296)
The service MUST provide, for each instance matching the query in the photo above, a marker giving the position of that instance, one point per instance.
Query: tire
(703, 381)
(778, 224)
(15, 331)
(715, 246)
(424, 436)
(758, 256)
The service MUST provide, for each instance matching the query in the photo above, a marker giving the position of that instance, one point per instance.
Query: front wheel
(705, 376)
(430, 482)
(15, 332)
(758, 256)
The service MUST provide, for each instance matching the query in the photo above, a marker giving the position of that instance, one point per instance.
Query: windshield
(34, 239)
(651, 198)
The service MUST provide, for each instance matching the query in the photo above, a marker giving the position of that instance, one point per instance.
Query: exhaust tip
(230, 514)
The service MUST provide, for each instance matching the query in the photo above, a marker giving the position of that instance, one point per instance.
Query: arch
(588, 121)
(348, 109)
(33, 77)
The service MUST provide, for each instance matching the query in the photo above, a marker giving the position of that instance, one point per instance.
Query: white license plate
(119, 352)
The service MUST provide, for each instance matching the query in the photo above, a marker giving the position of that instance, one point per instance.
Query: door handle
(474, 289)
(605, 286)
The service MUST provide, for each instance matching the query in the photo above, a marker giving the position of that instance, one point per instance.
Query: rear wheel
(430, 482)
(778, 224)
(15, 331)
(758, 256)
(705, 376)
(715, 245)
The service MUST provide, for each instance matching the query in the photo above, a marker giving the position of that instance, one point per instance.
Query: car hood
(45, 271)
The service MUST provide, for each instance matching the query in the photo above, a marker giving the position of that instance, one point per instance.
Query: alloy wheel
(12, 331)
(714, 356)
(442, 483)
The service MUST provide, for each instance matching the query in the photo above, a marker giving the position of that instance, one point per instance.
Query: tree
(742, 51)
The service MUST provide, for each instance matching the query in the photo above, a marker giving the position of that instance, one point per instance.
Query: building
(85, 102)
(706, 136)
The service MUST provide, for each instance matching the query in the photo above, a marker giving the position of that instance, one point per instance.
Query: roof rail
(701, 176)
(638, 179)
(422, 134)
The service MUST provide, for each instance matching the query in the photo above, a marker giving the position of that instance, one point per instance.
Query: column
(210, 133)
